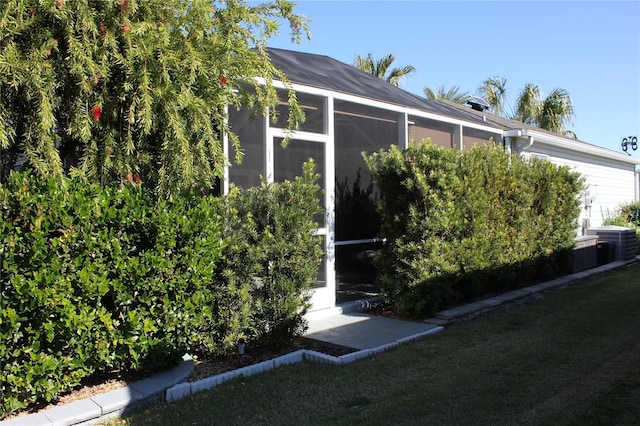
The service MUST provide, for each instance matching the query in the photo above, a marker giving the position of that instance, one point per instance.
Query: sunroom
(347, 112)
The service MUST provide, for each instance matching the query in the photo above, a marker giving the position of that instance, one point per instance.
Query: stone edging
(521, 296)
(111, 404)
(172, 386)
(183, 390)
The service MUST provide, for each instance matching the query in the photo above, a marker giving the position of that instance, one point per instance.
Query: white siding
(608, 182)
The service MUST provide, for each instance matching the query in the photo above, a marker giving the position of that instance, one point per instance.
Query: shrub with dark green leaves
(98, 278)
(464, 224)
(270, 262)
(53, 325)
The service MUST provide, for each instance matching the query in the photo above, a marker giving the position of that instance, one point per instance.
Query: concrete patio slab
(363, 331)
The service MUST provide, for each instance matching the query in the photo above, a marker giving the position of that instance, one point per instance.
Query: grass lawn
(570, 358)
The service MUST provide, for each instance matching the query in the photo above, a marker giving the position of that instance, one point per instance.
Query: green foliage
(464, 224)
(271, 260)
(134, 87)
(453, 94)
(98, 278)
(627, 214)
(381, 68)
(554, 112)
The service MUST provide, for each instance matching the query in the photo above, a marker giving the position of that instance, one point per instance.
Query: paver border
(180, 391)
(521, 296)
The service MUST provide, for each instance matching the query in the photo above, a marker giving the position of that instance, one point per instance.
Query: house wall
(609, 183)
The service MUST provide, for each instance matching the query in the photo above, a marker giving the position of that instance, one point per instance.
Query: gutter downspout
(529, 145)
(637, 184)
(512, 137)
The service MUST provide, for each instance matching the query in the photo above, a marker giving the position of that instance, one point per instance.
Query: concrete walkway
(344, 325)
(362, 331)
(356, 330)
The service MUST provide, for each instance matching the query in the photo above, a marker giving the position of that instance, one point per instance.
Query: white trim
(458, 137)
(225, 150)
(403, 129)
(296, 134)
(572, 145)
(380, 104)
(636, 179)
(268, 145)
(325, 297)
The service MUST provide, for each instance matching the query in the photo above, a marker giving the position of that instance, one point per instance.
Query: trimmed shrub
(53, 327)
(96, 278)
(271, 261)
(464, 224)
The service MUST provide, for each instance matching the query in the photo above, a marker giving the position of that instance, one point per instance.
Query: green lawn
(571, 358)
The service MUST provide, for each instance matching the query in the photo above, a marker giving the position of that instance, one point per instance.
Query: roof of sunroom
(324, 72)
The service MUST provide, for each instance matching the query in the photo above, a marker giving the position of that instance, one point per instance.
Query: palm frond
(453, 94)
(556, 110)
(528, 105)
(494, 91)
(380, 68)
(365, 64)
(397, 74)
(382, 65)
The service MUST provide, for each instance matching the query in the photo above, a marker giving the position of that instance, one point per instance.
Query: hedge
(464, 224)
(95, 279)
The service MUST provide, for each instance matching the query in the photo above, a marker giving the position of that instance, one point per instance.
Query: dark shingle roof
(498, 121)
(327, 73)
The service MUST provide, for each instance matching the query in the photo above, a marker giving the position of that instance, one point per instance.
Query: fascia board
(572, 145)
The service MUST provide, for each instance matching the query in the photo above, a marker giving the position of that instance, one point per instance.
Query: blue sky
(591, 49)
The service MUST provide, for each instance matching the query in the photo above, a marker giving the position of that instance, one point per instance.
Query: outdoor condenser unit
(623, 240)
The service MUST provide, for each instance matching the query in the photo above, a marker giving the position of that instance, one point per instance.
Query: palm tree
(453, 94)
(494, 91)
(551, 113)
(380, 68)
(556, 111)
(528, 105)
